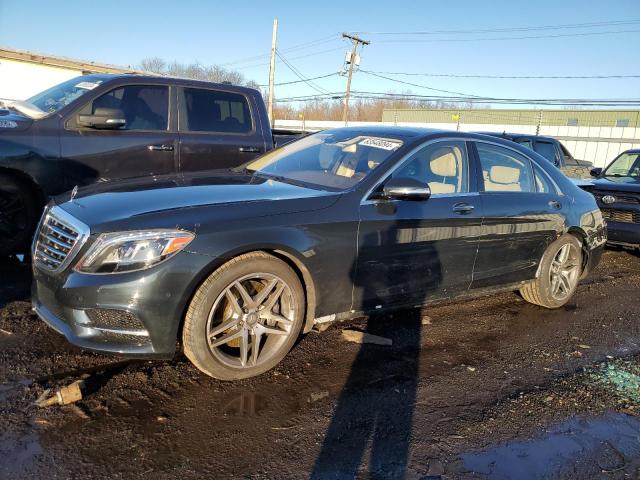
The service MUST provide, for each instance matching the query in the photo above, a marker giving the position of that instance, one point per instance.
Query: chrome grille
(58, 239)
(623, 216)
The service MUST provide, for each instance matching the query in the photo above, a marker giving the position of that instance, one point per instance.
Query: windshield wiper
(279, 178)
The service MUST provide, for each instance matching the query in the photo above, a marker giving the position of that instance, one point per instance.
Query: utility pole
(272, 69)
(352, 59)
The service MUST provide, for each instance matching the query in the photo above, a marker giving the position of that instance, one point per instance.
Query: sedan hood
(620, 184)
(105, 203)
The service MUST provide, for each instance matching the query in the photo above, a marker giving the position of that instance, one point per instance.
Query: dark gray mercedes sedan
(234, 265)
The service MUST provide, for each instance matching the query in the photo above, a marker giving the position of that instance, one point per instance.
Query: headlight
(129, 251)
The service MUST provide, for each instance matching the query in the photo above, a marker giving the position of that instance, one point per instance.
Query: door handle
(160, 148)
(463, 208)
(555, 204)
(249, 149)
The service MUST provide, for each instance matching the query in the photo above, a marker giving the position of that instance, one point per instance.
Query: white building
(23, 74)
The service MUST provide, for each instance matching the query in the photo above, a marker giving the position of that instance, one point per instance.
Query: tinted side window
(547, 150)
(214, 111)
(526, 143)
(145, 107)
(504, 170)
(442, 165)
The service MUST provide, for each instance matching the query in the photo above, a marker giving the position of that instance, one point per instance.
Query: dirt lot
(491, 387)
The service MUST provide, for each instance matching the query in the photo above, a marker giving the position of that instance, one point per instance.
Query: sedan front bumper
(131, 314)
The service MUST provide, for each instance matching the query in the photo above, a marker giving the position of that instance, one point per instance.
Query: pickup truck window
(526, 143)
(61, 95)
(547, 150)
(216, 111)
(145, 107)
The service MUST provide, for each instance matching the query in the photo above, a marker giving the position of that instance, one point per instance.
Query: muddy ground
(491, 387)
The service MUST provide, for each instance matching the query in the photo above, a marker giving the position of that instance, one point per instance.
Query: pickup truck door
(145, 146)
(217, 129)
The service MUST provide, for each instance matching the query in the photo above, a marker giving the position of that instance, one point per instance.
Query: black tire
(197, 330)
(541, 290)
(20, 210)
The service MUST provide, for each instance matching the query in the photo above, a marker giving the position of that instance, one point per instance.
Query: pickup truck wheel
(244, 318)
(560, 270)
(19, 213)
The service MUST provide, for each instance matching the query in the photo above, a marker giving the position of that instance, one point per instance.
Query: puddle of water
(18, 453)
(611, 440)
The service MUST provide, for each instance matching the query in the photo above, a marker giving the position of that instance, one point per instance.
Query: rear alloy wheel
(244, 318)
(560, 270)
(19, 214)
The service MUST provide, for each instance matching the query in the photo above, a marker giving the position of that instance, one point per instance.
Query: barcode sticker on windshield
(87, 85)
(380, 143)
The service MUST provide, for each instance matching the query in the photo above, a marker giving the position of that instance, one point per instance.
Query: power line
(300, 75)
(306, 79)
(525, 37)
(296, 47)
(417, 85)
(537, 77)
(481, 100)
(511, 29)
(311, 54)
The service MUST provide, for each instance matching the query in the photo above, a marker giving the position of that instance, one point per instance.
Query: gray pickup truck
(101, 127)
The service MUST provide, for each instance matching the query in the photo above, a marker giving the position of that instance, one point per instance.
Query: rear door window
(543, 182)
(216, 111)
(504, 170)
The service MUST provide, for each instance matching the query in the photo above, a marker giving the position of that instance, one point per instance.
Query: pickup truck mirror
(595, 172)
(104, 118)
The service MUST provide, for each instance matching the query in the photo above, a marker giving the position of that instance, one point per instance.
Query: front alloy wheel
(250, 320)
(244, 318)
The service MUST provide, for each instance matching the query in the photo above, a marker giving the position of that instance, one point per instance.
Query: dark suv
(102, 127)
(617, 191)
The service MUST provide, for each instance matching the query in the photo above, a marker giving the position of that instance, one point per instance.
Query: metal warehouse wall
(596, 144)
(570, 118)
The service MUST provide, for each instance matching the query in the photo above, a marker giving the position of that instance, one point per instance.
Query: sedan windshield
(58, 96)
(332, 159)
(626, 165)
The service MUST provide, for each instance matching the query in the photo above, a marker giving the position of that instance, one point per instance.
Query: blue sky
(213, 32)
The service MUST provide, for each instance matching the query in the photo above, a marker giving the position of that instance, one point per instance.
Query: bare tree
(196, 71)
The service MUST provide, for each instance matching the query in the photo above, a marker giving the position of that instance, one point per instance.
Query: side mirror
(104, 118)
(405, 189)
(595, 172)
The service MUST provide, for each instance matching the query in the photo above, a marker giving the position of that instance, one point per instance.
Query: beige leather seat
(503, 179)
(444, 166)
